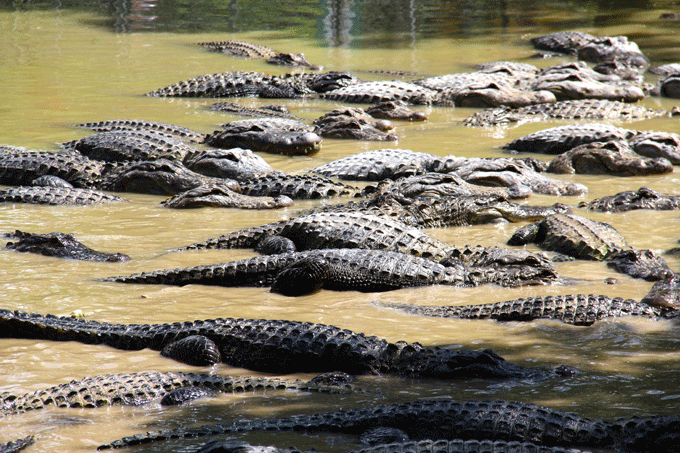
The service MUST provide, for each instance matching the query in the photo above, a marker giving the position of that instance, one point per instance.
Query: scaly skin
(134, 389)
(643, 198)
(59, 245)
(280, 347)
(17, 445)
(490, 420)
(465, 446)
(579, 309)
(381, 91)
(59, 196)
(170, 130)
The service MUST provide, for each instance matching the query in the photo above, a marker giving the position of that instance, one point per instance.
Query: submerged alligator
(578, 309)
(643, 198)
(134, 389)
(58, 196)
(444, 419)
(302, 273)
(59, 245)
(251, 50)
(280, 347)
(17, 445)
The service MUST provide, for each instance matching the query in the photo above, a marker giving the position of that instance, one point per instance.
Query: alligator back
(56, 196)
(170, 130)
(382, 91)
(297, 187)
(558, 140)
(21, 167)
(338, 230)
(381, 164)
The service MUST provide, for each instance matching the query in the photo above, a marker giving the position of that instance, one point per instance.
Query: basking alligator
(56, 196)
(250, 50)
(614, 158)
(280, 347)
(306, 272)
(170, 130)
(643, 198)
(134, 389)
(59, 245)
(585, 109)
(443, 419)
(444, 211)
(234, 84)
(272, 135)
(579, 309)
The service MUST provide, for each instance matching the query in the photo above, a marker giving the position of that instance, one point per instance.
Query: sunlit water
(59, 67)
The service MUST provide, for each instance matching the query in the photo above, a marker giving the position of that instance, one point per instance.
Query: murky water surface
(60, 66)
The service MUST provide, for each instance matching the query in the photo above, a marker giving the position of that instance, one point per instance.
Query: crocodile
(382, 91)
(17, 445)
(466, 420)
(560, 139)
(353, 123)
(614, 157)
(131, 145)
(572, 235)
(365, 270)
(58, 196)
(271, 135)
(134, 389)
(237, 83)
(643, 198)
(220, 196)
(281, 347)
(582, 109)
(19, 167)
(445, 211)
(59, 245)
(170, 130)
(575, 309)
(258, 51)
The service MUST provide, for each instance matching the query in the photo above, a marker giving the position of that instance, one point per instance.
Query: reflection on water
(61, 64)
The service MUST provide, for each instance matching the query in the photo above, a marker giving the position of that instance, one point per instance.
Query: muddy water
(57, 69)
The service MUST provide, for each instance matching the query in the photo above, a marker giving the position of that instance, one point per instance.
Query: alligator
(235, 163)
(131, 145)
(51, 181)
(614, 157)
(576, 309)
(491, 94)
(170, 130)
(398, 445)
(462, 80)
(297, 187)
(445, 211)
(441, 185)
(590, 48)
(570, 84)
(281, 347)
(582, 109)
(364, 270)
(250, 50)
(235, 84)
(157, 177)
(135, 389)
(466, 420)
(382, 91)
(19, 167)
(263, 111)
(271, 135)
(560, 139)
(353, 123)
(59, 196)
(220, 196)
(643, 198)
(664, 293)
(572, 235)
(644, 264)
(395, 110)
(17, 445)
(59, 245)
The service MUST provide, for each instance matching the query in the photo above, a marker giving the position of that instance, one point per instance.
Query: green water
(77, 62)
